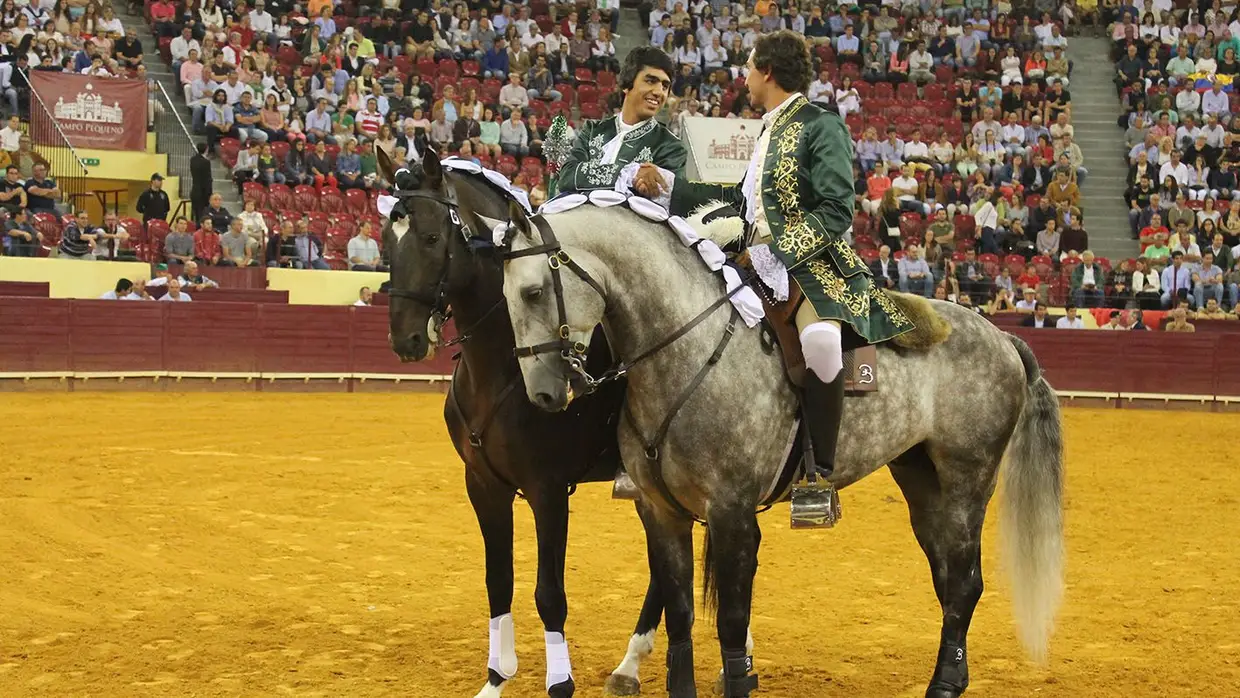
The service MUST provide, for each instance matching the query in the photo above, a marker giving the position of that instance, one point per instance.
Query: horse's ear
(387, 168)
(520, 220)
(430, 164)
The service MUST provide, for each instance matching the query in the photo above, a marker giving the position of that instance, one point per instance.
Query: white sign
(720, 149)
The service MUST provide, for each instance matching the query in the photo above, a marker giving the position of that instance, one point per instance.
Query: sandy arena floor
(322, 545)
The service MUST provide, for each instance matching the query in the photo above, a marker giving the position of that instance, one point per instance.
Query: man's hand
(648, 182)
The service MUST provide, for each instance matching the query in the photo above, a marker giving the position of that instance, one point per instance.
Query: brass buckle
(564, 332)
(557, 260)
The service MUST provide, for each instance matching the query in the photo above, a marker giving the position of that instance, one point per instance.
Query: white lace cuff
(770, 270)
(624, 183)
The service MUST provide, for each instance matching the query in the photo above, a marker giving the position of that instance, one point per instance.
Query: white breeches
(821, 343)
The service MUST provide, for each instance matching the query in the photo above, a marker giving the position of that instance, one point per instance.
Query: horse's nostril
(543, 400)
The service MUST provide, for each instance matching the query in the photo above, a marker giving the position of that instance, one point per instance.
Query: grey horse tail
(1032, 512)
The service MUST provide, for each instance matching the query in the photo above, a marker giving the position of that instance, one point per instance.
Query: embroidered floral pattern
(836, 288)
(894, 315)
(798, 239)
(596, 147)
(644, 155)
(850, 263)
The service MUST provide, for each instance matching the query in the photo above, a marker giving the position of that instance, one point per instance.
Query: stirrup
(815, 503)
(624, 487)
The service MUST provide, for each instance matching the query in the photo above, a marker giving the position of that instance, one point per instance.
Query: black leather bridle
(576, 353)
(438, 299)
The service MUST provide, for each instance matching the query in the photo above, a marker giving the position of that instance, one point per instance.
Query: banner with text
(93, 112)
(721, 148)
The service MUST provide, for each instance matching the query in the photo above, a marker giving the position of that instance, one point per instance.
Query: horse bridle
(438, 299)
(575, 353)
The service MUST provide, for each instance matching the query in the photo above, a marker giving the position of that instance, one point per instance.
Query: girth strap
(653, 447)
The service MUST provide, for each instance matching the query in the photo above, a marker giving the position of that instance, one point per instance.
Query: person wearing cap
(153, 203)
(1028, 301)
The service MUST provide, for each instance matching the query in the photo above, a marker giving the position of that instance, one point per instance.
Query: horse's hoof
(621, 685)
(942, 690)
(564, 689)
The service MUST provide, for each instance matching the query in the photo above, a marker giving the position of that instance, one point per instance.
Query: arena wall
(60, 344)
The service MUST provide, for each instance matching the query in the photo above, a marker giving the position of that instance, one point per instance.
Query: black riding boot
(823, 403)
(815, 503)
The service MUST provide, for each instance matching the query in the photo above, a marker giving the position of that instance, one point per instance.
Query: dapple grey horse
(943, 420)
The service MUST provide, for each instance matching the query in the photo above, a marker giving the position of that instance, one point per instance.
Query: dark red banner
(92, 112)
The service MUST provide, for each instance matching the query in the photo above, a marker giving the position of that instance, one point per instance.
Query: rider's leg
(821, 342)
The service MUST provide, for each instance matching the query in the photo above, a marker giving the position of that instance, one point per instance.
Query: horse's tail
(1033, 509)
(710, 590)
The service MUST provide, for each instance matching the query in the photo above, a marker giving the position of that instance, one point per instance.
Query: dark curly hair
(785, 55)
(645, 57)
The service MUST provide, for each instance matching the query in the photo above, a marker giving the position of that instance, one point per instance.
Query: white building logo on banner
(721, 148)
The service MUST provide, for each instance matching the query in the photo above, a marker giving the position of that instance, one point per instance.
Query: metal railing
(173, 138)
(53, 147)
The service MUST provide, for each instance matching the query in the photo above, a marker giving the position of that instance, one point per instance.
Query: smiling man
(609, 151)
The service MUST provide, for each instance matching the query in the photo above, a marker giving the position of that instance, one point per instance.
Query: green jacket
(807, 193)
(649, 142)
(1078, 276)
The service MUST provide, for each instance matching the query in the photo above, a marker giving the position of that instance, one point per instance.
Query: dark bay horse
(441, 257)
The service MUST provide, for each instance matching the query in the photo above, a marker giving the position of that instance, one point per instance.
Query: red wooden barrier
(57, 335)
(32, 289)
(240, 295)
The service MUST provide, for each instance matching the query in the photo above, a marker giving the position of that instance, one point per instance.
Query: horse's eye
(432, 239)
(532, 294)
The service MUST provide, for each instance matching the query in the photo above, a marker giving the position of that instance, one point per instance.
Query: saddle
(860, 365)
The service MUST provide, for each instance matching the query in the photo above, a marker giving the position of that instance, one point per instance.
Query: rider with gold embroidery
(607, 153)
(797, 200)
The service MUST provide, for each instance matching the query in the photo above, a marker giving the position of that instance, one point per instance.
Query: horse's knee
(821, 344)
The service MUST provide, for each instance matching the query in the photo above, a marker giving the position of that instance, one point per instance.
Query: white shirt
(1179, 172)
(820, 91)
(261, 22)
(10, 140)
(180, 48)
(1074, 324)
(365, 249)
(182, 297)
(904, 184)
(611, 151)
(916, 150)
(1087, 277)
(362, 303)
(111, 296)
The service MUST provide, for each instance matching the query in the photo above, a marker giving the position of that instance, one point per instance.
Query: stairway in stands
(167, 130)
(1095, 109)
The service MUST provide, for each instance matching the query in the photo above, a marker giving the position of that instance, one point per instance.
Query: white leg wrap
(640, 647)
(559, 668)
(822, 345)
(503, 654)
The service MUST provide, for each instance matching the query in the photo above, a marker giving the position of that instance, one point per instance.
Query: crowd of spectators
(1174, 74)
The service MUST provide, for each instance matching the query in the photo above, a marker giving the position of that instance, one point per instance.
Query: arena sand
(322, 545)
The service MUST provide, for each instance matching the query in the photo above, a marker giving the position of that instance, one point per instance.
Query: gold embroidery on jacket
(836, 288)
(798, 239)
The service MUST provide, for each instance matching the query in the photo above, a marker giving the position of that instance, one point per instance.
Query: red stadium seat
(1015, 264)
(330, 200)
(965, 225)
(1042, 265)
(583, 75)
(911, 225)
(253, 191)
(306, 198)
(272, 220)
(471, 68)
(591, 110)
(356, 202)
(279, 197)
(507, 165)
(605, 79)
(990, 263)
(279, 150)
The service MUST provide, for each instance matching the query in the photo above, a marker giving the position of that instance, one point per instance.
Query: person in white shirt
(364, 297)
(364, 251)
(11, 135)
(175, 294)
(1174, 168)
(124, 291)
(821, 90)
(1070, 320)
(1215, 101)
(181, 46)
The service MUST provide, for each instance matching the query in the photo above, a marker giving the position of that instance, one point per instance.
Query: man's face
(1070, 312)
(216, 200)
(648, 93)
(174, 284)
(1039, 311)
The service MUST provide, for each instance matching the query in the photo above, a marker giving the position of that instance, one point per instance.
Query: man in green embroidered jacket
(797, 200)
(607, 153)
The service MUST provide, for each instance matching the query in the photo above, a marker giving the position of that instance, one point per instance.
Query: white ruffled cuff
(628, 173)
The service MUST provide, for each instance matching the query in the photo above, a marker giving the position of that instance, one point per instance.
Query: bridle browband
(576, 353)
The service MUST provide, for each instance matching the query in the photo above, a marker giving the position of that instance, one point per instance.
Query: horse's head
(556, 297)
(417, 238)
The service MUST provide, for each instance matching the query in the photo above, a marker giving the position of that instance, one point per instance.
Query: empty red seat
(470, 68)
(605, 79)
(330, 200)
(305, 198)
(990, 263)
(356, 202)
(279, 197)
(965, 225)
(583, 75)
(1015, 264)
(507, 165)
(253, 191)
